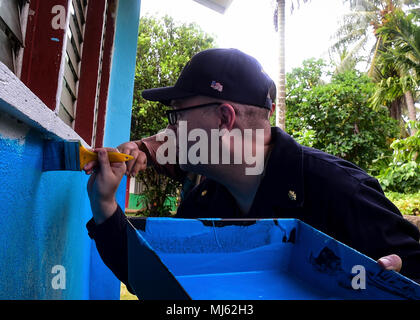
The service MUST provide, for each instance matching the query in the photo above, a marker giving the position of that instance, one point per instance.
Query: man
(223, 97)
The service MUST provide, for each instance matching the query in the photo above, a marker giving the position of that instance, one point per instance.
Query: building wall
(118, 116)
(42, 223)
(44, 214)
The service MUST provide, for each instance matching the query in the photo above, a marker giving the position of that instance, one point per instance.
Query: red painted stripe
(43, 51)
(127, 192)
(89, 69)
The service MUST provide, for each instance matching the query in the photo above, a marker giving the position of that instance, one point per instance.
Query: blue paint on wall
(117, 122)
(42, 225)
(44, 214)
(120, 98)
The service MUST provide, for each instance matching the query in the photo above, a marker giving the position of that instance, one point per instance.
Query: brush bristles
(61, 155)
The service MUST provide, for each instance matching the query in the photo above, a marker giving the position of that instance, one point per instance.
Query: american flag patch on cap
(216, 86)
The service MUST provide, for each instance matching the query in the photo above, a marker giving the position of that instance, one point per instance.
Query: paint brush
(72, 156)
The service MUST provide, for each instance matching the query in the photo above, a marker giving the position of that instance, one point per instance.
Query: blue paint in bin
(269, 259)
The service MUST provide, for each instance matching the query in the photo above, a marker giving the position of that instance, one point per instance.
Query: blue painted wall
(118, 122)
(42, 224)
(120, 98)
(43, 215)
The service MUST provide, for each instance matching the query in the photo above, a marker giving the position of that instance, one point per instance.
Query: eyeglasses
(172, 114)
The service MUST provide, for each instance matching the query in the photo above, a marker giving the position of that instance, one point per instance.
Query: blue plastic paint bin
(269, 259)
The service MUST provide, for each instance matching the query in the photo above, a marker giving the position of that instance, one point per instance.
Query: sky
(248, 26)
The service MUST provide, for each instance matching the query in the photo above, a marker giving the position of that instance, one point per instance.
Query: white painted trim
(99, 75)
(23, 24)
(21, 103)
(62, 65)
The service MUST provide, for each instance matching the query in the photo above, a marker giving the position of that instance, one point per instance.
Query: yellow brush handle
(87, 156)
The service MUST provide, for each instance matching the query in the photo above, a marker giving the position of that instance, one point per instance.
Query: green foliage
(357, 30)
(305, 78)
(404, 178)
(402, 174)
(164, 47)
(407, 149)
(158, 189)
(401, 33)
(335, 116)
(399, 70)
(305, 137)
(408, 204)
(397, 67)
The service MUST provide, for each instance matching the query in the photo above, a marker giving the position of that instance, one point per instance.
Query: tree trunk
(411, 108)
(281, 85)
(395, 110)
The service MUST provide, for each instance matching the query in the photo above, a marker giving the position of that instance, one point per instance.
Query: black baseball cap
(227, 74)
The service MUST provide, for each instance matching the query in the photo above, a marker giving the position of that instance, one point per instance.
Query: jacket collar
(282, 184)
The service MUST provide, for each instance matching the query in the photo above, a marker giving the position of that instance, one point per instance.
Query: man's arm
(108, 225)
(371, 224)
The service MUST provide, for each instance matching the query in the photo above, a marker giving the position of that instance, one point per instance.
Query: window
(68, 67)
(73, 54)
(11, 36)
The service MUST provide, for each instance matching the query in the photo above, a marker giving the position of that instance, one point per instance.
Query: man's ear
(273, 108)
(227, 116)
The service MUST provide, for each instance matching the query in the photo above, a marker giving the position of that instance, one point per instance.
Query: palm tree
(389, 87)
(359, 27)
(279, 24)
(345, 60)
(398, 64)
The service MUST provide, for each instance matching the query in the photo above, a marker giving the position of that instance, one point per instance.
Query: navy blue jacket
(328, 193)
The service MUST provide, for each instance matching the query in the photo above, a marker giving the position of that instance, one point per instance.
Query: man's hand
(103, 184)
(391, 262)
(139, 162)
